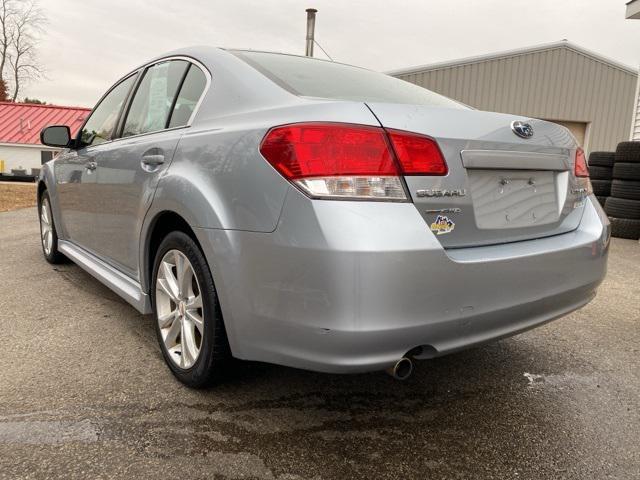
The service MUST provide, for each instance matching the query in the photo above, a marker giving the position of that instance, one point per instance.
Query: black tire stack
(623, 204)
(601, 173)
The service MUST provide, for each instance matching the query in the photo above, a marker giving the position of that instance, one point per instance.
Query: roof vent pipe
(311, 28)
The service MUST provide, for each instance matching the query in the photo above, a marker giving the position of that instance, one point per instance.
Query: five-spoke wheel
(179, 309)
(48, 232)
(46, 226)
(189, 321)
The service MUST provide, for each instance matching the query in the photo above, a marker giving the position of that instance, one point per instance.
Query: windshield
(311, 77)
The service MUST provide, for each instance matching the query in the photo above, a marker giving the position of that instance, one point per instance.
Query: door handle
(153, 160)
(91, 165)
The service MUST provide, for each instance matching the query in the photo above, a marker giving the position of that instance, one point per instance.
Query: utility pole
(311, 28)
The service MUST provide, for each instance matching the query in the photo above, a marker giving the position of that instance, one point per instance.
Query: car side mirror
(56, 136)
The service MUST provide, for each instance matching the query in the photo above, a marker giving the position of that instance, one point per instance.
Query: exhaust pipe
(402, 369)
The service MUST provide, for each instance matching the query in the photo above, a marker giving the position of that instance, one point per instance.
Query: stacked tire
(601, 173)
(623, 204)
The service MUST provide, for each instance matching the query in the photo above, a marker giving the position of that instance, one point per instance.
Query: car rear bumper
(353, 286)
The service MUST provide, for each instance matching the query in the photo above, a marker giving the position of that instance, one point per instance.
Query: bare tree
(28, 23)
(21, 23)
(7, 12)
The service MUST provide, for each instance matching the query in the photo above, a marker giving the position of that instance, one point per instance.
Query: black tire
(215, 354)
(626, 171)
(625, 189)
(600, 173)
(628, 152)
(601, 188)
(601, 200)
(625, 228)
(54, 256)
(622, 208)
(602, 159)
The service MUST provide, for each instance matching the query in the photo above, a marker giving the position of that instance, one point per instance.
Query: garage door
(579, 129)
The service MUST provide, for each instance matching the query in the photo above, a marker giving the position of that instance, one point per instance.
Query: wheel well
(164, 224)
(41, 188)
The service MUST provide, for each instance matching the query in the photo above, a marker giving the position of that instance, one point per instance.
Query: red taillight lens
(581, 169)
(320, 150)
(418, 155)
(332, 160)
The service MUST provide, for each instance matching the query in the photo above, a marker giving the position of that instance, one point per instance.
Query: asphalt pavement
(84, 393)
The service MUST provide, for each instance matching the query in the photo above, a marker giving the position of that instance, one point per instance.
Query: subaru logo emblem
(521, 129)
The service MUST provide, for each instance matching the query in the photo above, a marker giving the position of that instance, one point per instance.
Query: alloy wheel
(179, 309)
(46, 226)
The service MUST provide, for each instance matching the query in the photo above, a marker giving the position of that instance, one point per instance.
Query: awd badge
(442, 224)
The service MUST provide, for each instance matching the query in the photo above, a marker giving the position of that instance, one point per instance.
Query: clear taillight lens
(345, 161)
(365, 188)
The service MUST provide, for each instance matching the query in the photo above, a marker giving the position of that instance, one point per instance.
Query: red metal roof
(22, 122)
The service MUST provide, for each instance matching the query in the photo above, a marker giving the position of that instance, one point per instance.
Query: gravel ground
(84, 393)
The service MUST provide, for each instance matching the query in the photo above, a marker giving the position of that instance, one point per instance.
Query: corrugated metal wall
(558, 83)
(635, 130)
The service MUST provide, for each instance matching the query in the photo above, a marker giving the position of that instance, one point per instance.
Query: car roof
(235, 85)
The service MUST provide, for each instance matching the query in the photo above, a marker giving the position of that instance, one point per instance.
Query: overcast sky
(89, 44)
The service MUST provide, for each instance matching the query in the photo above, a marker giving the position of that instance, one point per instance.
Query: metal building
(591, 95)
(635, 123)
(633, 12)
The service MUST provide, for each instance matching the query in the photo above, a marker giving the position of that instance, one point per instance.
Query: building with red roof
(20, 125)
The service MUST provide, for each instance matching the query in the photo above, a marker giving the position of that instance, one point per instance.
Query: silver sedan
(313, 214)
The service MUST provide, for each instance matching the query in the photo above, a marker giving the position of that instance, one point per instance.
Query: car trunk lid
(500, 187)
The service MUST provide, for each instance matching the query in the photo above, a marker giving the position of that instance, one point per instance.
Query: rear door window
(149, 110)
(192, 89)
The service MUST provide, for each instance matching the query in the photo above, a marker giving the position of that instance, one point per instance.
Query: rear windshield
(311, 77)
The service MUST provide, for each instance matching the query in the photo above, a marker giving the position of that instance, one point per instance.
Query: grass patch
(17, 195)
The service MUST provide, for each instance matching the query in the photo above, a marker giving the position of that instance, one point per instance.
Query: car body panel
(520, 189)
(237, 88)
(76, 195)
(354, 286)
(218, 179)
(124, 191)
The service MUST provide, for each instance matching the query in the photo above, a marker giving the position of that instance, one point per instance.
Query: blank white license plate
(513, 198)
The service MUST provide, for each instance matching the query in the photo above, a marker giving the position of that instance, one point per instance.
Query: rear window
(311, 77)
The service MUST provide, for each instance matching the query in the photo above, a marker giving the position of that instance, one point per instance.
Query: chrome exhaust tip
(402, 369)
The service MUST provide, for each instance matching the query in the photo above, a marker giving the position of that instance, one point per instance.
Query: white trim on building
(633, 12)
(633, 9)
(514, 53)
(635, 122)
(29, 145)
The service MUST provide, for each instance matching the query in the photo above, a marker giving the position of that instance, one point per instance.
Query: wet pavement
(84, 393)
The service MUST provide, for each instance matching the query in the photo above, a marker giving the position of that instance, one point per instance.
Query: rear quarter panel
(219, 180)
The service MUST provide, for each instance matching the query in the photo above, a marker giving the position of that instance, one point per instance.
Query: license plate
(513, 198)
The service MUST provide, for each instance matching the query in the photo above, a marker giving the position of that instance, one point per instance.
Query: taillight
(333, 160)
(581, 169)
(418, 155)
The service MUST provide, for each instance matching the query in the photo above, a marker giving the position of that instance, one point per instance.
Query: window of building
(45, 156)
